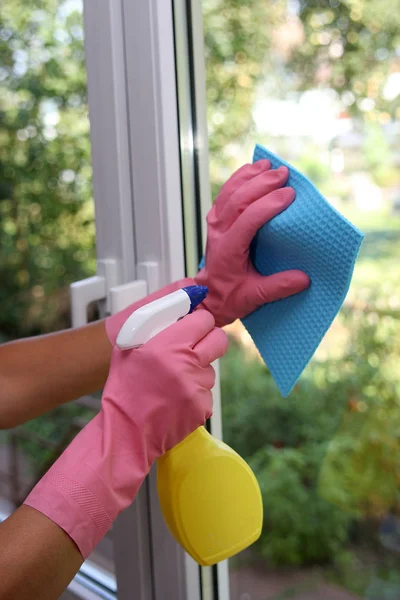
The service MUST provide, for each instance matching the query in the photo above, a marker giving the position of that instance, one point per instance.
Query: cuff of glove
(91, 483)
(115, 322)
(73, 508)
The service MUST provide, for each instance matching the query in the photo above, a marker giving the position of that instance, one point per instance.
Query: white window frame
(146, 94)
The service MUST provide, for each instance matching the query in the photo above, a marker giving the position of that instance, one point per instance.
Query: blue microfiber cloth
(312, 236)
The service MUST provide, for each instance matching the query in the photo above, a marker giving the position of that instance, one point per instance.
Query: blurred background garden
(318, 82)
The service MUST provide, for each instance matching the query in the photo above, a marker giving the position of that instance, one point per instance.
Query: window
(315, 82)
(285, 74)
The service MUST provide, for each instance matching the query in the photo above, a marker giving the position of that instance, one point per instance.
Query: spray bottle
(209, 496)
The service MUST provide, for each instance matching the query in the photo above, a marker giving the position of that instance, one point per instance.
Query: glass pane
(46, 213)
(317, 82)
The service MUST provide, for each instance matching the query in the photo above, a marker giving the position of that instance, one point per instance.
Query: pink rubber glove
(250, 198)
(154, 397)
(115, 322)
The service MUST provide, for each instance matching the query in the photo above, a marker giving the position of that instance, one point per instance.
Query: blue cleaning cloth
(312, 236)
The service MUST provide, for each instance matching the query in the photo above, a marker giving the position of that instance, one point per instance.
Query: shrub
(328, 455)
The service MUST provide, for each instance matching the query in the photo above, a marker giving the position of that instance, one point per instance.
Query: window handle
(104, 286)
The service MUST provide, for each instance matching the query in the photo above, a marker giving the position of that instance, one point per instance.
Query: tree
(46, 208)
(282, 48)
(46, 212)
(238, 35)
(350, 46)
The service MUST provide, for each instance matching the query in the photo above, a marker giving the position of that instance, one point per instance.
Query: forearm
(37, 559)
(38, 374)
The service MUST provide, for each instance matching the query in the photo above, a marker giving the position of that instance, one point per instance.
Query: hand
(154, 397)
(164, 387)
(248, 200)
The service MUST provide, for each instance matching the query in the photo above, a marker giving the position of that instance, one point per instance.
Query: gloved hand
(250, 198)
(155, 396)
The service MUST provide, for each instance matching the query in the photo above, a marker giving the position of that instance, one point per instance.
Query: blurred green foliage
(379, 156)
(361, 471)
(237, 38)
(367, 575)
(328, 455)
(314, 168)
(279, 48)
(351, 46)
(46, 213)
(284, 440)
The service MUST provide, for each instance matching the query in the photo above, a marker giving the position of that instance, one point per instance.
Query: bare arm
(40, 373)
(38, 559)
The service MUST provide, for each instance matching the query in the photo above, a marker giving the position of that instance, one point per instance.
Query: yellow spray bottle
(209, 496)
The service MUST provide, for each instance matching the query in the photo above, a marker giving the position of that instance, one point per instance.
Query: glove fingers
(206, 403)
(256, 215)
(238, 178)
(212, 346)
(262, 289)
(207, 377)
(251, 191)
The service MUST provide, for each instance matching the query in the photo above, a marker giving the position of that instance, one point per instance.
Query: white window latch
(104, 287)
